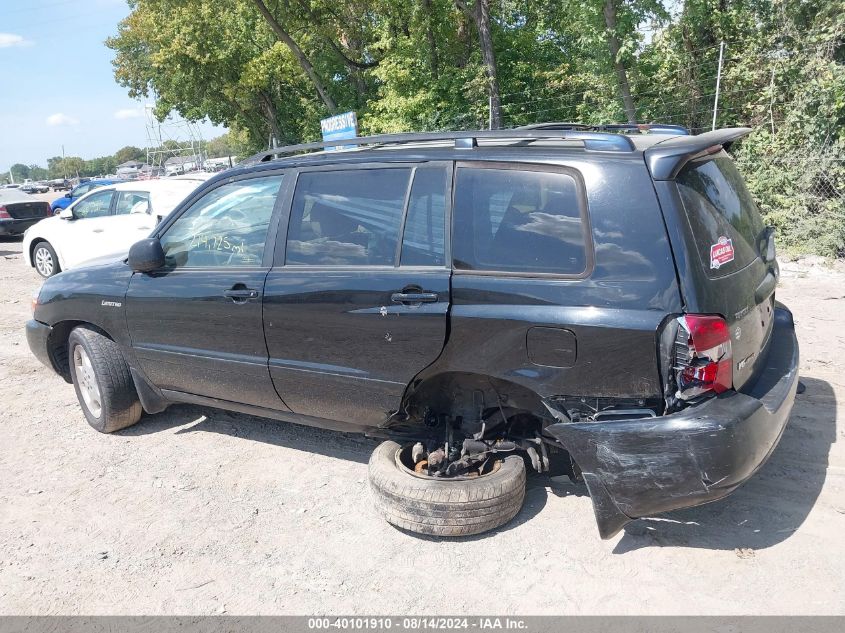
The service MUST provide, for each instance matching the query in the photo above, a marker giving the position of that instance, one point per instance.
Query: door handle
(97, 231)
(240, 294)
(413, 297)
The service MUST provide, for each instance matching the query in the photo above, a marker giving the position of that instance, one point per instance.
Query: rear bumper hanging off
(636, 468)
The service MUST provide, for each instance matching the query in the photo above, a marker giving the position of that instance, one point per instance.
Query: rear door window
(723, 217)
(515, 220)
(347, 218)
(132, 202)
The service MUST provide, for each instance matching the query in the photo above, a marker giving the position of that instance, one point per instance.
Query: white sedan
(104, 222)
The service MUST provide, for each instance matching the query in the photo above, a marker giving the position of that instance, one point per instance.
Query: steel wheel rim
(43, 261)
(87, 381)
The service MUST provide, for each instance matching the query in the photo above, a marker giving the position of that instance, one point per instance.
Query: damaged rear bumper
(636, 468)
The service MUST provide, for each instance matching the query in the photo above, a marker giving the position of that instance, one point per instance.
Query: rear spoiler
(666, 158)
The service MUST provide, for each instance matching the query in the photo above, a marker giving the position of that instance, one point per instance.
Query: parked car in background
(80, 190)
(19, 211)
(589, 302)
(59, 184)
(35, 187)
(103, 222)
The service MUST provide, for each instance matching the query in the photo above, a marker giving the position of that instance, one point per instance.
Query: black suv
(600, 304)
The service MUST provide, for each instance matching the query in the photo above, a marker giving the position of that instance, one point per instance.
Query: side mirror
(146, 255)
(68, 195)
(66, 214)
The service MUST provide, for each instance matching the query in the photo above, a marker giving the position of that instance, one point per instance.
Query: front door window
(97, 205)
(226, 227)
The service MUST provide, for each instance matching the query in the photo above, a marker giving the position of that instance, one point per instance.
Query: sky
(57, 86)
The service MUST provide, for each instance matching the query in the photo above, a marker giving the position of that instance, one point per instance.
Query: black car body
(569, 288)
(19, 211)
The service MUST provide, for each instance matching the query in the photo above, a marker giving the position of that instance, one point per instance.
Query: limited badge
(721, 252)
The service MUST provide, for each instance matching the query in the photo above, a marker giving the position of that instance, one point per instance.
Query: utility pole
(772, 99)
(718, 83)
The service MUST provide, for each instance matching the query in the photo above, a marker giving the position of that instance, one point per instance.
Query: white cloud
(7, 40)
(128, 113)
(61, 119)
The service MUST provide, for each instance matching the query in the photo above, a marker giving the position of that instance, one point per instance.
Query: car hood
(103, 260)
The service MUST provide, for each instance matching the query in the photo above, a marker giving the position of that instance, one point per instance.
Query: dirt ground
(197, 511)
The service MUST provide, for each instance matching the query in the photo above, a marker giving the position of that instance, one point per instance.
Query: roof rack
(654, 128)
(592, 140)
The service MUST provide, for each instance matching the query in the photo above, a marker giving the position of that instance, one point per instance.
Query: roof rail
(654, 128)
(463, 140)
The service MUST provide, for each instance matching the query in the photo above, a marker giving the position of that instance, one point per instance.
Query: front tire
(102, 381)
(45, 260)
(442, 506)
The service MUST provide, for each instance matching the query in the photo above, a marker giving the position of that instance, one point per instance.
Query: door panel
(196, 325)
(190, 337)
(347, 327)
(82, 235)
(340, 348)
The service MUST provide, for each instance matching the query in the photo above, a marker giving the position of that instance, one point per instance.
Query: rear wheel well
(478, 405)
(469, 396)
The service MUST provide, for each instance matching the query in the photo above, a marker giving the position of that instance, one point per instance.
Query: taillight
(4, 215)
(703, 359)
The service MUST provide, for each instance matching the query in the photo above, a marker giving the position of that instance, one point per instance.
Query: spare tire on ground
(441, 506)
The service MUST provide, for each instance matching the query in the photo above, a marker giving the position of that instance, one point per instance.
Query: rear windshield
(724, 219)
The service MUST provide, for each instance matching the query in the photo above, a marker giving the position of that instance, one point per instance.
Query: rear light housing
(4, 215)
(703, 362)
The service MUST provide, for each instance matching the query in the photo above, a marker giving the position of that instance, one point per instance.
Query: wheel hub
(43, 261)
(87, 381)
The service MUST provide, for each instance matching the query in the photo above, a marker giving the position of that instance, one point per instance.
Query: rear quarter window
(519, 221)
(724, 221)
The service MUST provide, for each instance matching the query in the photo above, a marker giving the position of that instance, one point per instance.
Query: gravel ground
(197, 511)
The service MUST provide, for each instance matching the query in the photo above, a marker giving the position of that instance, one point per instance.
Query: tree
(129, 152)
(204, 62)
(610, 12)
(273, 68)
(72, 166)
(301, 57)
(19, 172)
(480, 13)
(53, 167)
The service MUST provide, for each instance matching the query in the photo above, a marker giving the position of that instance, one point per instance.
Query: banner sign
(338, 128)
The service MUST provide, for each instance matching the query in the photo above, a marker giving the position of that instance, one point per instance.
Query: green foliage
(125, 154)
(19, 171)
(417, 65)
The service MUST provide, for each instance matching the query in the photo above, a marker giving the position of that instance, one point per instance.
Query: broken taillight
(703, 359)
